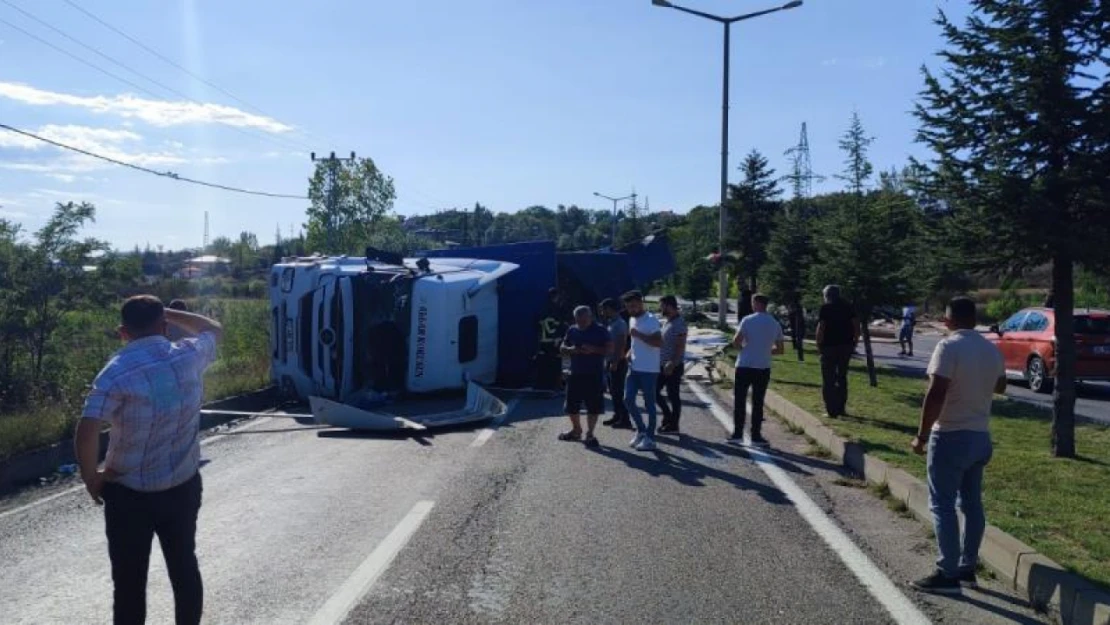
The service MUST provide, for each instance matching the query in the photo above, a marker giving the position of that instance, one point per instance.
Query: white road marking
(76, 489)
(487, 433)
(875, 581)
(362, 580)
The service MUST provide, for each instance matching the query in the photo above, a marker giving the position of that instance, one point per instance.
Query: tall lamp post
(722, 287)
(614, 200)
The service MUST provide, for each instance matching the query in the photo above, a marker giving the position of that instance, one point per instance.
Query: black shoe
(735, 439)
(609, 421)
(759, 441)
(622, 425)
(570, 436)
(668, 429)
(968, 578)
(592, 442)
(938, 583)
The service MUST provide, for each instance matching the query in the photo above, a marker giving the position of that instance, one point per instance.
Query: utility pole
(331, 192)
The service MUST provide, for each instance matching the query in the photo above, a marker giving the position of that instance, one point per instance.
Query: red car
(1027, 341)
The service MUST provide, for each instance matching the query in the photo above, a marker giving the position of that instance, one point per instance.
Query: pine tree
(784, 276)
(753, 204)
(1017, 122)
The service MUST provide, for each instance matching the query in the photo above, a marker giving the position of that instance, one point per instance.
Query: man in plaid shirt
(150, 393)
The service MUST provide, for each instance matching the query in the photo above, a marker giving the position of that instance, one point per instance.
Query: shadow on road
(968, 597)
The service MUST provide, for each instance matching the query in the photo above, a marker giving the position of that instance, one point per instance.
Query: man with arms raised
(150, 393)
(964, 373)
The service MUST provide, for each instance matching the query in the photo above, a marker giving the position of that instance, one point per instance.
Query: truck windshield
(381, 330)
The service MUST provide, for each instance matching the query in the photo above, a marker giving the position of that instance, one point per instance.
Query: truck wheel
(1036, 374)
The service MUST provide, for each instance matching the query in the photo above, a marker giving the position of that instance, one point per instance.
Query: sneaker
(759, 441)
(636, 440)
(609, 421)
(570, 436)
(648, 444)
(591, 441)
(622, 425)
(735, 439)
(668, 429)
(938, 583)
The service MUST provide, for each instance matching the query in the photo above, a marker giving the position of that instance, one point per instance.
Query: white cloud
(67, 178)
(160, 113)
(121, 145)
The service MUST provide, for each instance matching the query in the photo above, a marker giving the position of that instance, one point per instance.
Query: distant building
(200, 266)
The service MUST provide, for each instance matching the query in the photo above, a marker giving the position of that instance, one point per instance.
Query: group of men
(150, 393)
(640, 356)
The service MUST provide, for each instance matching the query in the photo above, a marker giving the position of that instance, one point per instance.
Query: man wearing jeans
(616, 364)
(150, 392)
(672, 357)
(965, 371)
(643, 364)
(758, 338)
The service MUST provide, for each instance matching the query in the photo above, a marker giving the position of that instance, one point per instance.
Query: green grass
(1060, 507)
(243, 366)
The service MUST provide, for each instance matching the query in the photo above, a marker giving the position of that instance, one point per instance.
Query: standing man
(837, 336)
(587, 344)
(150, 393)
(643, 356)
(617, 363)
(965, 371)
(672, 356)
(758, 338)
(549, 363)
(905, 330)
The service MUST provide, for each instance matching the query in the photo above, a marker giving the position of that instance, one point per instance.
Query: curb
(1067, 597)
(26, 468)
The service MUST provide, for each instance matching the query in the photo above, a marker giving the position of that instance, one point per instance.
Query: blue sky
(506, 102)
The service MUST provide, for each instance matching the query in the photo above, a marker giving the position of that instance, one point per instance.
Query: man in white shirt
(758, 338)
(643, 365)
(964, 373)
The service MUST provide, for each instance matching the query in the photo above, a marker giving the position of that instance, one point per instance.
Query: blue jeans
(956, 462)
(641, 382)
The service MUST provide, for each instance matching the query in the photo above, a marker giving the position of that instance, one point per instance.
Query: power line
(171, 62)
(163, 174)
(92, 49)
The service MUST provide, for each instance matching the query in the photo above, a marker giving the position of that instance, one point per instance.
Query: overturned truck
(361, 331)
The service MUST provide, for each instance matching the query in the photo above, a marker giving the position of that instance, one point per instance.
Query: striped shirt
(151, 392)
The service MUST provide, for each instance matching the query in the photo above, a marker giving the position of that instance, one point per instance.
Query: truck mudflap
(481, 405)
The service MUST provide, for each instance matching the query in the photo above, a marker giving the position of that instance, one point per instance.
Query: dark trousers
(757, 380)
(617, 378)
(671, 405)
(834, 377)
(132, 518)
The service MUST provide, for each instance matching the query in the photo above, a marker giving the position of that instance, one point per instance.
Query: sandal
(571, 436)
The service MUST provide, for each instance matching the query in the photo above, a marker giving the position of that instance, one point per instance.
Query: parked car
(1027, 341)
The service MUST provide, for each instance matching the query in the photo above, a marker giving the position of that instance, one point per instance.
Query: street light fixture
(722, 310)
(614, 200)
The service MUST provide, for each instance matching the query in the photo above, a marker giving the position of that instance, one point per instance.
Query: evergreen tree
(1018, 125)
(753, 204)
(789, 254)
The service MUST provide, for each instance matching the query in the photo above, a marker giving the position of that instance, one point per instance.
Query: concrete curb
(1070, 599)
(26, 468)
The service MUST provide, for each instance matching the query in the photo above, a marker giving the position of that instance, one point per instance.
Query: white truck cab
(350, 328)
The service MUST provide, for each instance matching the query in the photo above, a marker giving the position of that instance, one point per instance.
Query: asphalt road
(301, 525)
(1093, 402)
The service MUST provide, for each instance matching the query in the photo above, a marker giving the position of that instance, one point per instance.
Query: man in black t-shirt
(587, 343)
(837, 336)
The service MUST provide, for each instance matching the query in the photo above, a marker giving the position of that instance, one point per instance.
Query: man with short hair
(964, 373)
(617, 363)
(672, 357)
(837, 336)
(758, 338)
(587, 344)
(643, 356)
(552, 326)
(150, 393)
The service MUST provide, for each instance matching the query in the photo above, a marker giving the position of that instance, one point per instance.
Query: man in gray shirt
(616, 365)
(672, 358)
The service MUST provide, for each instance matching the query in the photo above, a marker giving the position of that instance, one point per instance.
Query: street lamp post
(614, 200)
(722, 285)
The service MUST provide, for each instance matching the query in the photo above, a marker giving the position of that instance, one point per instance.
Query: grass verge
(1059, 507)
(243, 366)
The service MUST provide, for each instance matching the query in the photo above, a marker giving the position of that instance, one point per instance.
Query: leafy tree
(752, 206)
(348, 199)
(1017, 124)
(789, 255)
(696, 278)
